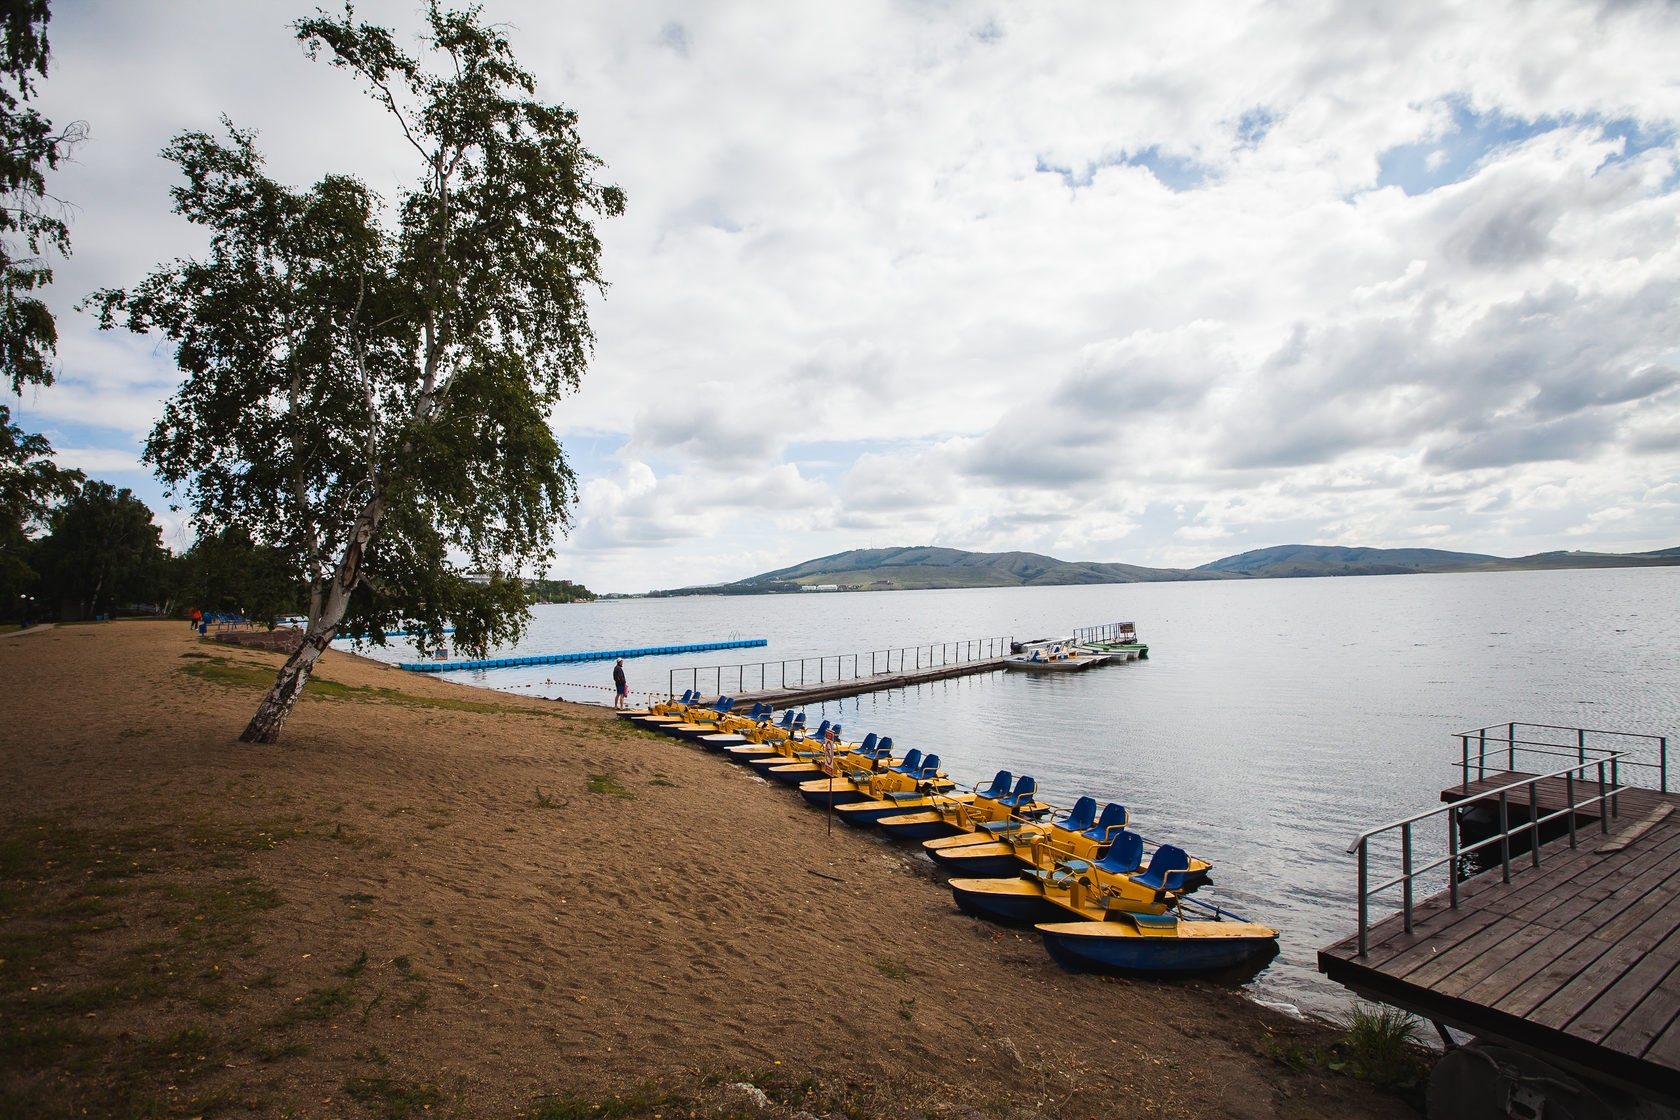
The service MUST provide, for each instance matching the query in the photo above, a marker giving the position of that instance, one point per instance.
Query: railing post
(1569, 793)
(1464, 770)
(1481, 754)
(1406, 872)
(1510, 746)
(1603, 803)
(1662, 760)
(1505, 836)
(1580, 744)
(1534, 819)
(1616, 784)
(1452, 855)
(1364, 903)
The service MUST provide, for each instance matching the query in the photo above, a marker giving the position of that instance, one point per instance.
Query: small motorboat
(1055, 658)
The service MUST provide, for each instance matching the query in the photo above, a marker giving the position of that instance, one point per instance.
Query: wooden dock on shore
(1568, 952)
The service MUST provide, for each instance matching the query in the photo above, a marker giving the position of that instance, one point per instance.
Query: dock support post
(1452, 857)
(1569, 793)
(1364, 903)
(1505, 836)
(1406, 872)
(1603, 803)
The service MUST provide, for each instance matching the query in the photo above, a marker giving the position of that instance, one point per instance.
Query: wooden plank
(1539, 954)
(1531, 899)
(1618, 952)
(1641, 986)
(1664, 1049)
(1525, 1000)
(1628, 836)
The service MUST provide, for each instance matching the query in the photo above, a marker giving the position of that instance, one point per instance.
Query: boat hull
(980, 861)
(917, 826)
(722, 741)
(822, 792)
(1123, 947)
(1010, 902)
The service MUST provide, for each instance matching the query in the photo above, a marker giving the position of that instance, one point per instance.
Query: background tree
(31, 221)
(102, 552)
(229, 572)
(376, 400)
(30, 484)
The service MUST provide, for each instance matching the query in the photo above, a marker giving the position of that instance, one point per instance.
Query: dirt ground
(435, 900)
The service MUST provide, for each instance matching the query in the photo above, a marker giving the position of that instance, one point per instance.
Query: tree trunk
(288, 684)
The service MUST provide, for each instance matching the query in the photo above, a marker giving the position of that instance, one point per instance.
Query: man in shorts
(620, 685)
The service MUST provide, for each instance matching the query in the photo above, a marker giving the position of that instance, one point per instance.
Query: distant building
(820, 587)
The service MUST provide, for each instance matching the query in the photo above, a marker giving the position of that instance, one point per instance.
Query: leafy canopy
(372, 393)
(31, 222)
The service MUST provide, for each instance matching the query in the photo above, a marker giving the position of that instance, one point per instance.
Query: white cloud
(918, 270)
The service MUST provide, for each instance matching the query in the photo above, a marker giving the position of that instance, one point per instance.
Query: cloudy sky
(1131, 282)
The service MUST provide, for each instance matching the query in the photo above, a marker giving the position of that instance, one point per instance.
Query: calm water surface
(1273, 721)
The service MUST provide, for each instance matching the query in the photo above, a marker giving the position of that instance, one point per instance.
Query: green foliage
(30, 218)
(558, 591)
(228, 572)
(1382, 1044)
(103, 550)
(30, 485)
(375, 400)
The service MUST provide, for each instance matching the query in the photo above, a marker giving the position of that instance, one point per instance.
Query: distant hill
(1291, 560)
(902, 569)
(1300, 560)
(927, 567)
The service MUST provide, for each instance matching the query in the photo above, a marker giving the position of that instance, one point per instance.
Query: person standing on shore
(620, 685)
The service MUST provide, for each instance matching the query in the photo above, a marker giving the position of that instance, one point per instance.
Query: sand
(416, 899)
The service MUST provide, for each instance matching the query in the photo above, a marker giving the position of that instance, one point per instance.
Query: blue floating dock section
(559, 658)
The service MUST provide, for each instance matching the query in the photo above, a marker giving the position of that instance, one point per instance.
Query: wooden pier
(779, 698)
(1575, 957)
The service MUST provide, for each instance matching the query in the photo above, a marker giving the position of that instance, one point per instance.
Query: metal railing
(1573, 742)
(803, 672)
(1108, 632)
(1599, 789)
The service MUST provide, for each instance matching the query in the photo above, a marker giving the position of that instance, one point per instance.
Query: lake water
(1273, 721)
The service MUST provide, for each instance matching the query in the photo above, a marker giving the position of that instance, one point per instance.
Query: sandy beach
(430, 899)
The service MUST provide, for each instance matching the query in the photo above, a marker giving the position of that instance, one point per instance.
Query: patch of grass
(1382, 1043)
(390, 1098)
(550, 801)
(891, 969)
(662, 780)
(648, 1101)
(134, 732)
(907, 1008)
(606, 783)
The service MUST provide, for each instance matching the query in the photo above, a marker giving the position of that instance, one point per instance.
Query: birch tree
(370, 386)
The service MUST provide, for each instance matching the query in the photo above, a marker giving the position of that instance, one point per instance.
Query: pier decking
(1576, 955)
(834, 690)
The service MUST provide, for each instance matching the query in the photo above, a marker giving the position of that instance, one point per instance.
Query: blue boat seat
(1124, 856)
(1025, 786)
(1114, 818)
(998, 788)
(910, 763)
(1083, 816)
(1168, 858)
(868, 744)
(787, 720)
(928, 770)
(1000, 826)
